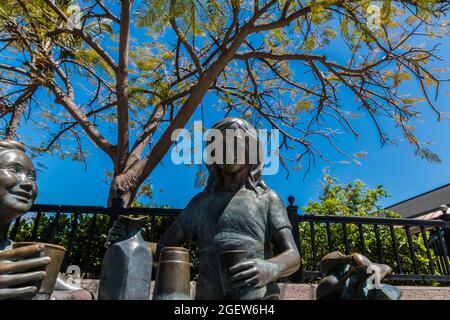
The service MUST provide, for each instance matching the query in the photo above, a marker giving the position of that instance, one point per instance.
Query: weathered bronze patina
(173, 275)
(351, 277)
(127, 265)
(228, 259)
(22, 269)
(18, 190)
(56, 254)
(237, 211)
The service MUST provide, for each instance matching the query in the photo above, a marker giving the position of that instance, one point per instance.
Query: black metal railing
(82, 230)
(415, 249)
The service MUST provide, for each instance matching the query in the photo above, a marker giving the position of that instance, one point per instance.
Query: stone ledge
(290, 291)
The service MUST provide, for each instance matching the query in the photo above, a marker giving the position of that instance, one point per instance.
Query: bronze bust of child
(237, 211)
(18, 191)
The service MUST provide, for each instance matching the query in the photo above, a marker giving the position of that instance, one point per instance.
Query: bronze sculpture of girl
(237, 211)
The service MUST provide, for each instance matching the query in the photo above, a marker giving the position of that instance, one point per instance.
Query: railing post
(15, 229)
(53, 231)
(292, 211)
(117, 207)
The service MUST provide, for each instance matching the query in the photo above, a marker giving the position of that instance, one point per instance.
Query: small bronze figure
(354, 277)
(18, 191)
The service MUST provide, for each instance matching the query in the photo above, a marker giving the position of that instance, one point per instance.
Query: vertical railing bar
(411, 249)
(438, 254)
(394, 244)
(91, 231)
(444, 251)
(152, 226)
(15, 229)
(71, 237)
(361, 239)
(441, 262)
(54, 228)
(146, 228)
(302, 264)
(378, 241)
(36, 222)
(329, 239)
(292, 211)
(346, 244)
(313, 245)
(427, 247)
(441, 259)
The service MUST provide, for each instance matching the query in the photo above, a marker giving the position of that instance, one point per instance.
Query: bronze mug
(56, 253)
(173, 275)
(227, 259)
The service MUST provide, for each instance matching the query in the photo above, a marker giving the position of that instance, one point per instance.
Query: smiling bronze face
(18, 188)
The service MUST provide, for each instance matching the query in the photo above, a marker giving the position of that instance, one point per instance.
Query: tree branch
(186, 44)
(74, 124)
(87, 38)
(123, 139)
(109, 14)
(82, 120)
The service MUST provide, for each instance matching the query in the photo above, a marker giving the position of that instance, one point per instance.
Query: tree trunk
(124, 187)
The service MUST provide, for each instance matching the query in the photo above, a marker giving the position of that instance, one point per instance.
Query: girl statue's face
(18, 188)
(232, 168)
(235, 156)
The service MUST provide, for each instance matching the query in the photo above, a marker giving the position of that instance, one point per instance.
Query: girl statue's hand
(254, 273)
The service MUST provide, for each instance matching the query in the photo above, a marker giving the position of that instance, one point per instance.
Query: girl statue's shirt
(222, 221)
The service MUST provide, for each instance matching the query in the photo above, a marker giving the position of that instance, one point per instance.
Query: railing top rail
(153, 211)
(103, 210)
(175, 212)
(374, 220)
(67, 208)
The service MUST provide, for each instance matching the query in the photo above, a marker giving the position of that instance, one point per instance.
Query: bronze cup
(227, 259)
(173, 275)
(56, 253)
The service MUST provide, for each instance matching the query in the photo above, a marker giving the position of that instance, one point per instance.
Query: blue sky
(394, 166)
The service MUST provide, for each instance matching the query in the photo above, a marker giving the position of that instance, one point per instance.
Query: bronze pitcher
(173, 275)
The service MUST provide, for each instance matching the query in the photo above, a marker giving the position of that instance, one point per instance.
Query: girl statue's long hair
(11, 145)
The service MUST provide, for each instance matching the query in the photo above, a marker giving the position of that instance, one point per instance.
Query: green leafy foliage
(88, 242)
(355, 199)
